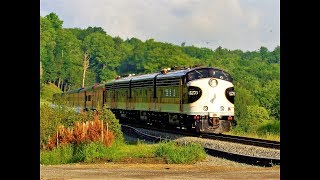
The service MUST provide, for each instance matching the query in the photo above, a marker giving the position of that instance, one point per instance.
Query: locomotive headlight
(232, 93)
(213, 82)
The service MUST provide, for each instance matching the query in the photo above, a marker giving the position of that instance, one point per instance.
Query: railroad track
(222, 137)
(244, 140)
(252, 160)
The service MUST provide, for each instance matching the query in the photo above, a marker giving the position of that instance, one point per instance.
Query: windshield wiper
(199, 73)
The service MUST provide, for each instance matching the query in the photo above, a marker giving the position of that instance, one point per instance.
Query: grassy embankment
(269, 130)
(267, 136)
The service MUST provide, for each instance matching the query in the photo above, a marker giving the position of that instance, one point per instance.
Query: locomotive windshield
(205, 73)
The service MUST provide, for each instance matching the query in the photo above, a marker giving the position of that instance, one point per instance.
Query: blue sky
(231, 24)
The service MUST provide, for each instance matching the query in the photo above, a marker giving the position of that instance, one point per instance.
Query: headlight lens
(213, 82)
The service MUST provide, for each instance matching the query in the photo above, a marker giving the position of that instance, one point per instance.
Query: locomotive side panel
(89, 98)
(140, 98)
(82, 101)
(121, 98)
(168, 93)
(108, 95)
(141, 94)
(169, 100)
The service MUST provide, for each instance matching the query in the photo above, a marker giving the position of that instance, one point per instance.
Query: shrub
(90, 152)
(180, 153)
(108, 117)
(51, 117)
(94, 151)
(60, 155)
(269, 127)
(253, 118)
(47, 91)
(69, 153)
(48, 123)
(90, 131)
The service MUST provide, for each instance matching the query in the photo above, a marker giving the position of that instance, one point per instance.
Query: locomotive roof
(144, 77)
(176, 73)
(71, 91)
(98, 86)
(170, 74)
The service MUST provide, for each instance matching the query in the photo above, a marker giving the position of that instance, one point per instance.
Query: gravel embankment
(230, 147)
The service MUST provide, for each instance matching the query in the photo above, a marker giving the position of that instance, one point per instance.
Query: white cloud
(232, 24)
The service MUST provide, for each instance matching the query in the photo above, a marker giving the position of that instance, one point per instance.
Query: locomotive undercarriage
(199, 124)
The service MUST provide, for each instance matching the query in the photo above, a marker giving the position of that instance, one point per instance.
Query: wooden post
(101, 131)
(107, 129)
(83, 124)
(83, 135)
(57, 138)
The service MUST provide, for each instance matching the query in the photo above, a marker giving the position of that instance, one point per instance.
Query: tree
(55, 21)
(47, 45)
(81, 34)
(269, 97)
(275, 56)
(254, 117)
(264, 52)
(85, 66)
(243, 99)
(68, 58)
(103, 56)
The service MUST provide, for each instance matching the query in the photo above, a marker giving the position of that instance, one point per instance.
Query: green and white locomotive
(200, 99)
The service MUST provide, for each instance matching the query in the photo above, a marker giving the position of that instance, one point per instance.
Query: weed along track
(237, 151)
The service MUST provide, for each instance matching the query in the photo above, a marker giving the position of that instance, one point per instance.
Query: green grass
(120, 151)
(43, 101)
(60, 155)
(268, 129)
(171, 152)
(96, 151)
(267, 136)
(179, 153)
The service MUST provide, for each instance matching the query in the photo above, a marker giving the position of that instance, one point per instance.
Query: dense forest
(256, 74)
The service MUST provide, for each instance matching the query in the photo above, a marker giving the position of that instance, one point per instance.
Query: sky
(233, 24)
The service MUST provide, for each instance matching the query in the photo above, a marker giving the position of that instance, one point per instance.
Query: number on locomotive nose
(192, 93)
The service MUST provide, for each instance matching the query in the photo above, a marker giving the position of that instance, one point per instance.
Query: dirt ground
(212, 168)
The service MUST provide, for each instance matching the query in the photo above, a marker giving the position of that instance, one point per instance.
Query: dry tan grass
(82, 132)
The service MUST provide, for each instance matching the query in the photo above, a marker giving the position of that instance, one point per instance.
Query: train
(199, 99)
